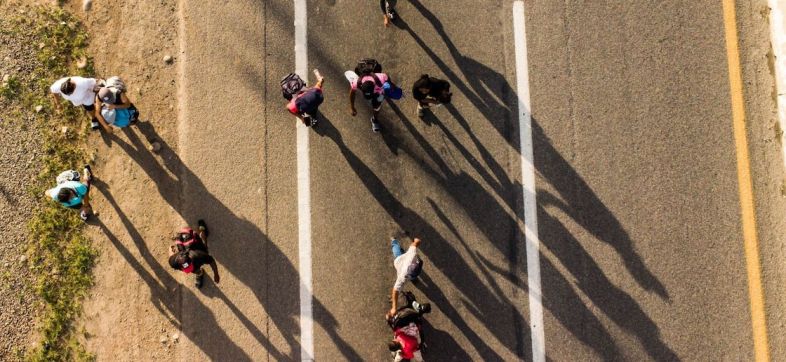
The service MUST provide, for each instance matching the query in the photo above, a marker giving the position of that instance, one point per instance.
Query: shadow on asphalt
(580, 203)
(238, 247)
(486, 304)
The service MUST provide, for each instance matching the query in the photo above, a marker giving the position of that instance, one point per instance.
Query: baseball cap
(108, 95)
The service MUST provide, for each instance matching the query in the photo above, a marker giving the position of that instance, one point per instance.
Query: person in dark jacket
(429, 90)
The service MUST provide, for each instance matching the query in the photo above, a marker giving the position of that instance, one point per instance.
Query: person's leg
(91, 112)
(396, 248)
(200, 275)
(376, 105)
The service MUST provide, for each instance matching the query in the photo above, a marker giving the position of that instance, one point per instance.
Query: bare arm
(352, 109)
(319, 77)
(393, 303)
(213, 266)
(55, 100)
(99, 117)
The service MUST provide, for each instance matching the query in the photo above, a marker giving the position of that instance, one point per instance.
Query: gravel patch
(19, 154)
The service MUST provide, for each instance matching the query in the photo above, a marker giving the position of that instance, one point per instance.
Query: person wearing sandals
(189, 253)
(73, 191)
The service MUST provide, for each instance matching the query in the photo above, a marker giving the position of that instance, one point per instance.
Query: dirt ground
(131, 39)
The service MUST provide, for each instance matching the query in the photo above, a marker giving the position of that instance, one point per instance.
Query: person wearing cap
(114, 108)
(373, 86)
(80, 91)
(189, 253)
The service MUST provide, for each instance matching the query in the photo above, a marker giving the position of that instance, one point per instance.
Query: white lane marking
(778, 39)
(303, 195)
(528, 185)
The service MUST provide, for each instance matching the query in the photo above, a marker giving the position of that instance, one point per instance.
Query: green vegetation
(60, 255)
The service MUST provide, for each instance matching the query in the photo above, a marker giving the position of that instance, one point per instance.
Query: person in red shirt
(305, 104)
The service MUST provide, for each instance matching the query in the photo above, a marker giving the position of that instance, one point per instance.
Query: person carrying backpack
(114, 107)
(407, 326)
(408, 267)
(303, 101)
(189, 253)
(375, 86)
(73, 191)
(429, 90)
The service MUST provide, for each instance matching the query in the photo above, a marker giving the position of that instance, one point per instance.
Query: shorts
(89, 108)
(376, 103)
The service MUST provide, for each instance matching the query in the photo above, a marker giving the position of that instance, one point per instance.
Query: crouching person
(189, 253)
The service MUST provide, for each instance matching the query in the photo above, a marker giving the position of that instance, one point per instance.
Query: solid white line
(528, 185)
(778, 39)
(303, 196)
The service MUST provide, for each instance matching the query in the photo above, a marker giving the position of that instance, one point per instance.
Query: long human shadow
(480, 79)
(239, 246)
(582, 204)
(578, 201)
(162, 285)
(487, 305)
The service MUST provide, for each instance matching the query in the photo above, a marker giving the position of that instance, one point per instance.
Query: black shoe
(199, 279)
(94, 125)
(203, 227)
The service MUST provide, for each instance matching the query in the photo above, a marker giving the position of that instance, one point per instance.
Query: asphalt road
(638, 207)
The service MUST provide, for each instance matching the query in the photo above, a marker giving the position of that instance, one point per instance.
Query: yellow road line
(755, 290)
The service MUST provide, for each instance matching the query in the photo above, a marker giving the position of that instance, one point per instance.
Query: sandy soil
(134, 299)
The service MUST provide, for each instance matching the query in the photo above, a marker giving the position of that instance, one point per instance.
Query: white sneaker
(375, 126)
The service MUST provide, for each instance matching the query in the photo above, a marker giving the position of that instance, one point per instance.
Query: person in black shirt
(429, 90)
(189, 253)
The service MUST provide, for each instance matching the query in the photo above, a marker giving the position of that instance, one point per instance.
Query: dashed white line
(528, 185)
(304, 195)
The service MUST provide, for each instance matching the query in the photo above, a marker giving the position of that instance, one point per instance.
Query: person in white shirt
(402, 262)
(81, 92)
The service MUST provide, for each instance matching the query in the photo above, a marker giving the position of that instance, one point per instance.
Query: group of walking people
(107, 104)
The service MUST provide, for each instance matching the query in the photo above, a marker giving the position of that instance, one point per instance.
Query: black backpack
(291, 85)
(368, 66)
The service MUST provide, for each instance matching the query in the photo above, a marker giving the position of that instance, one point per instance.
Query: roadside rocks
(87, 5)
(168, 59)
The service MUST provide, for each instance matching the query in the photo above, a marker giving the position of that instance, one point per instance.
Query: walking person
(73, 191)
(303, 101)
(81, 92)
(375, 86)
(114, 107)
(189, 253)
(388, 10)
(408, 267)
(429, 90)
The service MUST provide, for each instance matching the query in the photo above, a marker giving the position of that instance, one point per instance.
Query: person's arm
(393, 303)
(100, 117)
(48, 194)
(320, 78)
(125, 102)
(56, 101)
(213, 266)
(352, 109)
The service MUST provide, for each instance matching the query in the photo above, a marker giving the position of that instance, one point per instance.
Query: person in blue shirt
(74, 194)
